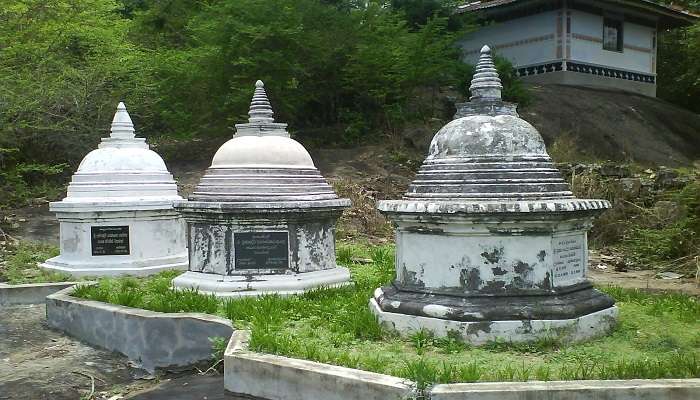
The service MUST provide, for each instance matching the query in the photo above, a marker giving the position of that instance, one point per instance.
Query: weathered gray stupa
(262, 219)
(490, 241)
(118, 216)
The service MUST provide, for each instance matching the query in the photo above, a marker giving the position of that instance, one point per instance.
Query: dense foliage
(336, 70)
(679, 61)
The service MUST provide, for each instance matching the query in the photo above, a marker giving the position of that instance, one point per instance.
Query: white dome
(263, 152)
(122, 169)
(111, 159)
(486, 136)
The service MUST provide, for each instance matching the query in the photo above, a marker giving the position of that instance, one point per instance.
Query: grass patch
(18, 263)
(658, 335)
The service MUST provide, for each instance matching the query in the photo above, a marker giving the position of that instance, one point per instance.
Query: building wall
(524, 41)
(587, 44)
(594, 81)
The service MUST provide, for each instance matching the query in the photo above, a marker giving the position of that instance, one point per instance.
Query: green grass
(18, 263)
(658, 335)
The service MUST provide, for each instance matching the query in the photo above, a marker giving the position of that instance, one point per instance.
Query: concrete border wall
(280, 378)
(31, 293)
(150, 339)
(636, 389)
(276, 378)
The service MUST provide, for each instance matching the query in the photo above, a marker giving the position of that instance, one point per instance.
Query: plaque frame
(257, 265)
(110, 249)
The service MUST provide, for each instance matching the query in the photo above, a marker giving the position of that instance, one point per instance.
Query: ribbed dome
(122, 167)
(489, 153)
(262, 164)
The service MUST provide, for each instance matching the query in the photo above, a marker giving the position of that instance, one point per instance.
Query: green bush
(21, 181)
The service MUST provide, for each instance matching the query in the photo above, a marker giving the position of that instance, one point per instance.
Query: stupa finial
(122, 127)
(486, 85)
(260, 108)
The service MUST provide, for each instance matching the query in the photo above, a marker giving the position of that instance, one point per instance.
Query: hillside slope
(615, 125)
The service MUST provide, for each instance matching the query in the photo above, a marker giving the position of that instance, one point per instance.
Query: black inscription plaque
(109, 240)
(261, 250)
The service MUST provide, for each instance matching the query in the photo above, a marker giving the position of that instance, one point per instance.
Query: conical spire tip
(486, 85)
(122, 127)
(260, 109)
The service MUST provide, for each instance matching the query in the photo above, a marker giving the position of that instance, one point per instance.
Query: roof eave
(668, 17)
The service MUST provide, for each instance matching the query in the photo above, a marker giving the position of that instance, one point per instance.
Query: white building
(609, 43)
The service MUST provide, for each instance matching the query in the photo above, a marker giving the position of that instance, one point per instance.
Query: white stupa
(118, 216)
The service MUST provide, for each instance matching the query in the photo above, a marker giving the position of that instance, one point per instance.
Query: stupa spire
(260, 108)
(122, 127)
(486, 85)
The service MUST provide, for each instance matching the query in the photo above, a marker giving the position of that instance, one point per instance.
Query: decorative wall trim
(516, 43)
(609, 72)
(594, 39)
(540, 68)
(638, 48)
(584, 68)
(587, 38)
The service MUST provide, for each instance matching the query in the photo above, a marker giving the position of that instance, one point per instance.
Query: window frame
(620, 46)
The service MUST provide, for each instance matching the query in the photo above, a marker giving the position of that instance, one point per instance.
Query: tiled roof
(480, 5)
(667, 11)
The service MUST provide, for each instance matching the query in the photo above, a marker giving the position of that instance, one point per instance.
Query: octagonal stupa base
(256, 285)
(432, 314)
(116, 267)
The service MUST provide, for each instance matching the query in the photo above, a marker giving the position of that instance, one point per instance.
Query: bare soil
(615, 125)
(38, 363)
(603, 273)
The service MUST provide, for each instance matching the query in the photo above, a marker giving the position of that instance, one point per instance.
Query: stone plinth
(262, 219)
(490, 241)
(118, 216)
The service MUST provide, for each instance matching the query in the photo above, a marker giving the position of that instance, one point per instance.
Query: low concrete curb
(636, 389)
(30, 293)
(280, 378)
(151, 339)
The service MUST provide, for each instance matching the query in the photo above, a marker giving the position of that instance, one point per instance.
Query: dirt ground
(603, 273)
(38, 363)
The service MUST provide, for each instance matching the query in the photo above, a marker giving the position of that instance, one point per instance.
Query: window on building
(612, 34)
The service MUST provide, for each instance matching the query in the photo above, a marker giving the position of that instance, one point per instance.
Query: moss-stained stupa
(118, 216)
(490, 241)
(262, 219)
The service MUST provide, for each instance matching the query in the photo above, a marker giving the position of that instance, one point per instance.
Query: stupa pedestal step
(585, 327)
(256, 285)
